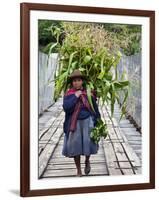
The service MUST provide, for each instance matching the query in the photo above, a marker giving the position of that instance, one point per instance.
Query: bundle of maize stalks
(94, 51)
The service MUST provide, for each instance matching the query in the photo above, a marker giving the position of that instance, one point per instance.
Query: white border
(50, 183)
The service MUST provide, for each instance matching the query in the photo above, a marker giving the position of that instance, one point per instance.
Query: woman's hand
(78, 93)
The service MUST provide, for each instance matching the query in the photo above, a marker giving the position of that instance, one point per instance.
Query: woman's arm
(69, 102)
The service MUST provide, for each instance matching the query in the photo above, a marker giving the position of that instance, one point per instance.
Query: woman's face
(77, 82)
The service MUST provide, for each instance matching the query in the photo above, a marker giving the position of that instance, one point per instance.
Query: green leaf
(87, 59)
(124, 83)
(88, 89)
(123, 109)
(82, 69)
(52, 47)
(49, 49)
(70, 60)
(123, 105)
(100, 76)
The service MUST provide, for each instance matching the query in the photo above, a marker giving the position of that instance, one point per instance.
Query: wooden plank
(120, 153)
(130, 152)
(126, 125)
(47, 123)
(47, 135)
(110, 159)
(65, 159)
(73, 166)
(71, 172)
(46, 153)
(131, 143)
(71, 161)
(130, 129)
(136, 147)
(46, 127)
(134, 137)
(114, 135)
(122, 123)
(118, 133)
(133, 155)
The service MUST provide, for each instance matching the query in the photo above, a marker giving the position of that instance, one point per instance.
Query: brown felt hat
(77, 73)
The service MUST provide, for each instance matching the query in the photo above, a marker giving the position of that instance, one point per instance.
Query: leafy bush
(100, 130)
(127, 36)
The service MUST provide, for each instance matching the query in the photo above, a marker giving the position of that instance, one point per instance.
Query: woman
(79, 120)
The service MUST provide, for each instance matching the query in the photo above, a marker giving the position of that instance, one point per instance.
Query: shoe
(87, 168)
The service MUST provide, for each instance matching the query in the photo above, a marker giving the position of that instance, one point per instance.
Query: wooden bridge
(119, 153)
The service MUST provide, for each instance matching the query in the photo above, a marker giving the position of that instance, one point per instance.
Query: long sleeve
(69, 103)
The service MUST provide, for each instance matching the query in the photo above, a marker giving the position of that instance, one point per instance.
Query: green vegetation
(100, 130)
(94, 49)
(128, 37)
(95, 52)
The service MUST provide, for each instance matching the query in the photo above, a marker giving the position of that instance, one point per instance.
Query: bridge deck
(119, 153)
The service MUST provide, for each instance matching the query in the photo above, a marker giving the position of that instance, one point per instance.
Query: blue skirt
(79, 141)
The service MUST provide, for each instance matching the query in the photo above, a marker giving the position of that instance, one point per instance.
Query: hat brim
(78, 76)
(69, 79)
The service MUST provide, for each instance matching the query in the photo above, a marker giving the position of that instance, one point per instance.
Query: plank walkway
(119, 153)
